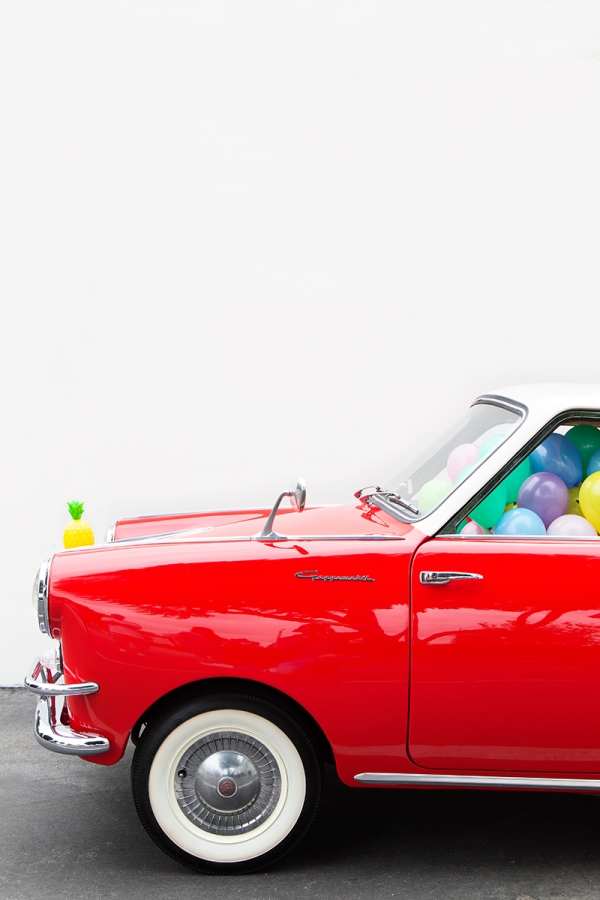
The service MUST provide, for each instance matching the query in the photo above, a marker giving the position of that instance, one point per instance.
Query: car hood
(354, 518)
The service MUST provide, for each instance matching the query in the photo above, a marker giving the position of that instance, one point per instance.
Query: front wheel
(226, 783)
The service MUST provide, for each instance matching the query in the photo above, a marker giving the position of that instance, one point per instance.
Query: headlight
(39, 597)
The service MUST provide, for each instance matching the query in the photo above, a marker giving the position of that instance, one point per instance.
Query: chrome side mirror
(297, 496)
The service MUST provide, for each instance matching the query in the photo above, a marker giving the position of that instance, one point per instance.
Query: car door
(505, 667)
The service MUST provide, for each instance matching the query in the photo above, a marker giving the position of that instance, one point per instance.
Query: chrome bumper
(50, 732)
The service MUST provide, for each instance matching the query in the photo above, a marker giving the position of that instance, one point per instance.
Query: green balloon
(489, 511)
(515, 479)
(587, 440)
(433, 492)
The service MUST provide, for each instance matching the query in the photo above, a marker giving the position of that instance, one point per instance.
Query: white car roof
(558, 397)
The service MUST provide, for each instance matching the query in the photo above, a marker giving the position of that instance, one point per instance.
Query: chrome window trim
(479, 781)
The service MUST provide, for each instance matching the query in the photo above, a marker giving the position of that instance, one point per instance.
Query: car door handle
(446, 577)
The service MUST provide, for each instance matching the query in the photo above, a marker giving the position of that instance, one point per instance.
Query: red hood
(355, 518)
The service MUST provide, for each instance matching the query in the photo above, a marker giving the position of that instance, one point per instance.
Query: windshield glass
(429, 480)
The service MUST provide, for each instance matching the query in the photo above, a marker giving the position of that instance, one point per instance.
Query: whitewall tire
(226, 783)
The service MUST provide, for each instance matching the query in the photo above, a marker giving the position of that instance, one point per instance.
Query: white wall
(245, 241)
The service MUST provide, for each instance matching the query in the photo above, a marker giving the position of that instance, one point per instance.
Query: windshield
(429, 480)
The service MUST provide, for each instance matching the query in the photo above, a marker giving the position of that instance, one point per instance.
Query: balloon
(489, 445)
(474, 528)
(461, 526)
(589, 499)
(520, 522)
(594, 463)
(545, 494)
(489, 510)
(559, 455)
(587, 440)
(433, 492)
(571, 526)
(515, 479)
(462, 456)
(465, 472)
(510, 506)
(574, 509)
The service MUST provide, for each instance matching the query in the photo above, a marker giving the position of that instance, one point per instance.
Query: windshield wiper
(391, 496)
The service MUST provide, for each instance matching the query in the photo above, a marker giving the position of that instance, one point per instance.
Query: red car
(443, 630)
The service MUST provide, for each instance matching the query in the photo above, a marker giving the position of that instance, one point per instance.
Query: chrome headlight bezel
(40, 597)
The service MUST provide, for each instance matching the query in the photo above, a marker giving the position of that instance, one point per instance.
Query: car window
(429, 480)
(553, 492)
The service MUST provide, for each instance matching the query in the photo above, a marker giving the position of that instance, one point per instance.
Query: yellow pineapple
(77, 533)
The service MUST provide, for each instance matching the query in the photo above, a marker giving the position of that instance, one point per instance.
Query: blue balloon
(520, 522)
(594, 463)
(559, 456)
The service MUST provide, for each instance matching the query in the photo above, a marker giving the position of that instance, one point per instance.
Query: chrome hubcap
(227, 783)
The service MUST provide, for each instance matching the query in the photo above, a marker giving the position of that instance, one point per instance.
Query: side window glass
(555, 491)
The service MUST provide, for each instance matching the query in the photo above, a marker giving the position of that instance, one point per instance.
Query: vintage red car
(405, 637)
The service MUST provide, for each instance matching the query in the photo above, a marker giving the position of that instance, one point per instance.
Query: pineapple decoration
(77, 533)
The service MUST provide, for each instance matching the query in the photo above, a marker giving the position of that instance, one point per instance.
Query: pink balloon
(570, 526)
(462, 456)
(474, 528)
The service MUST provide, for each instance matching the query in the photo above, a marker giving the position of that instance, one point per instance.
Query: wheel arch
(248, 686)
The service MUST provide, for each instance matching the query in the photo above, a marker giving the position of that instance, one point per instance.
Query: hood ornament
(297, 496)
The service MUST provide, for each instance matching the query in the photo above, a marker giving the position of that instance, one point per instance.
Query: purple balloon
(545, 494)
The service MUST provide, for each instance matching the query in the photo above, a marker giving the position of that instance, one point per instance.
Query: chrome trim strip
(480, 781)
(55, 688)
(110, 533)
(182, 536)
(51, 734)
(336, 537)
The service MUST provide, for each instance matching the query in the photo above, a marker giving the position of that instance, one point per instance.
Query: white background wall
(244, 241)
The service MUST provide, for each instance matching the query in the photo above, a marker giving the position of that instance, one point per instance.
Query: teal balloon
(516, 478)
(490, 510)
(465, 472)
(587, 440)
(489, 445)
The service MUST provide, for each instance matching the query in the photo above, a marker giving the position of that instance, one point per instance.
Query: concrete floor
(69, 831)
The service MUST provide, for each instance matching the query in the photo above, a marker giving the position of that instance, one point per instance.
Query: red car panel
(506, 670)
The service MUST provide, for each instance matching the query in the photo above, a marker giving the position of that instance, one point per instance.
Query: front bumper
(51, 727)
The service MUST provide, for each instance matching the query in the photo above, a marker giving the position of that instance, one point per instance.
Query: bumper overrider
(52, 731)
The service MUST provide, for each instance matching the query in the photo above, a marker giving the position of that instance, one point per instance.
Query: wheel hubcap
(227, 783)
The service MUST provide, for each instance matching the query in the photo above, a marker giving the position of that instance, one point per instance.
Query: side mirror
(297, 497)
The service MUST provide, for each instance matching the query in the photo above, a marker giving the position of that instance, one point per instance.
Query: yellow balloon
(574, 509)
(589, 499)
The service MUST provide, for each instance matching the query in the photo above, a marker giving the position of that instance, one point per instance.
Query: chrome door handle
(446, 577)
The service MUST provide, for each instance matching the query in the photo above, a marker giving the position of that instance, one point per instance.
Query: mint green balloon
(489, 511)
(515, 479)
(433, 492)
(489, 445)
